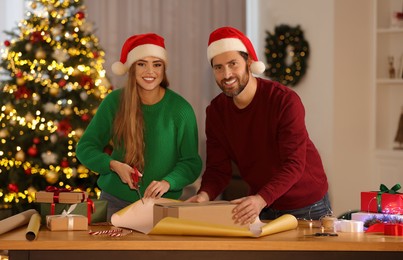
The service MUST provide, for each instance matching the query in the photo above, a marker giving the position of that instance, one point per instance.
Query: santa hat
(137, 47)
(230, 39)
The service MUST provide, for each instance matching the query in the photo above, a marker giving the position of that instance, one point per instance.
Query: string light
(51, 63)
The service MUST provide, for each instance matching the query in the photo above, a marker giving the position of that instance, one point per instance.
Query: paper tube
(33, 227)
(15, 221)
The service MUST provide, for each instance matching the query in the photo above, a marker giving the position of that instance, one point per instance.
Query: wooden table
(295, 244)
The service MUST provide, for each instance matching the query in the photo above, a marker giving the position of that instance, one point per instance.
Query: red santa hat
(137, 47)
(230, 39)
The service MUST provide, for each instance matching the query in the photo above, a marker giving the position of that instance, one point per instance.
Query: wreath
(286, 53)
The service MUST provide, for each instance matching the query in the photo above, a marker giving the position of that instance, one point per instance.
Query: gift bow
(383, 189)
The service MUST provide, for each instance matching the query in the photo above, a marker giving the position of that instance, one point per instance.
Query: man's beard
(238, 89)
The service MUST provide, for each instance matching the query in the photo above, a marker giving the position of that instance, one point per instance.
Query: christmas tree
(52, 81)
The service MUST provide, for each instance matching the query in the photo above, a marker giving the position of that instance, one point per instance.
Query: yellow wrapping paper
(139, 217)
(33, 227)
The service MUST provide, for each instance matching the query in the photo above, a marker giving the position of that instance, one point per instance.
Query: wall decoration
(286, 53)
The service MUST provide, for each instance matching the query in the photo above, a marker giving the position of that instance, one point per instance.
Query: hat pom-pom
(257, 67)
(119, 68)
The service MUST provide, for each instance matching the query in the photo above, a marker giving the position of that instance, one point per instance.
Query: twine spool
(328, 223)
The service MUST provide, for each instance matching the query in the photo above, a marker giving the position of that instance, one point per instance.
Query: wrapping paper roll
(139, 217)
(33, 227)
(15, 221)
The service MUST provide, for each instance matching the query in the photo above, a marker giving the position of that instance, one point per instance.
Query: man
(260, 126)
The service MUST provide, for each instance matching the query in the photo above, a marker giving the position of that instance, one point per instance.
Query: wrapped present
(387, 201)
(93, 210)
(56, 195)
(373, 217)
(67, 221)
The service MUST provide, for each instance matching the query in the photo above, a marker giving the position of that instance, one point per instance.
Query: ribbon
(394, 229)
(67, 214)
(90, 209)
(383, 189)
(56, 192)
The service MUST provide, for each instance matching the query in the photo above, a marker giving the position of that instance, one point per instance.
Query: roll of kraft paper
(33, 227)
(15, 221)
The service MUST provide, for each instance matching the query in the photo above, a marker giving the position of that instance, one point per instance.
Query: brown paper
(33, 227)
(63, 197)
(69, 222)
(15, 221)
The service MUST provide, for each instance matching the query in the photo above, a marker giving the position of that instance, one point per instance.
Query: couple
(256, 123)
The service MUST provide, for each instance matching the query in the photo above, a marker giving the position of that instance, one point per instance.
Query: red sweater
(269, 142)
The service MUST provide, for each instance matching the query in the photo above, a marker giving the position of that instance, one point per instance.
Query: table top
(299, 239)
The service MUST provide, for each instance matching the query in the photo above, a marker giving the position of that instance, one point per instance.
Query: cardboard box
(213, 212)
(71, 197)
(69, 222)
(98, 213)
(390, 203)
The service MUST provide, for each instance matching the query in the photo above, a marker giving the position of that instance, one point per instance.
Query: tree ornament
(28, 171)
(49, 157)
(83, 95)
(85, 117)
(20, 156)
(33, 151)
(36, 140)
(286, 53)
(36, 37)
(13, 188)
(29, 117)
(64, 163)
(22, 92)
(79, 132)
(80, 15)
(33, 5)
(40, 54)
(53, 138)
(28, 47)
(7, 43)
(51, 177)
(54, 91)
(20, 81)
(18, 74)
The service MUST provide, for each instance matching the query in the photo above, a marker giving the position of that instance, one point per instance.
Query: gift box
(368, 216)
(213, 212)
(58, 196)
(93, 210)
(387, 201)
(66, 222)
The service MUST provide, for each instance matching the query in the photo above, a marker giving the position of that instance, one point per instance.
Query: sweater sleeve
(90, 148)
(188, 167)
(218, 171)
(292, 148)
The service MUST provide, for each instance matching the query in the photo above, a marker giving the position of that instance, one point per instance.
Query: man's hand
(201, 197)
(248, 209)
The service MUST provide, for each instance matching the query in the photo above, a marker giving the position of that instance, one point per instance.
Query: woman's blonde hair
(129, 122)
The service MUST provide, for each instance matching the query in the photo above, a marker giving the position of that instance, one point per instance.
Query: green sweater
(171, 146)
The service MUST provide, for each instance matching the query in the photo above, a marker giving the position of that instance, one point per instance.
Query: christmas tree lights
(52, 81)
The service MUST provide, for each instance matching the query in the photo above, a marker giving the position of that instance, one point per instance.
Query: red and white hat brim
(138, 53)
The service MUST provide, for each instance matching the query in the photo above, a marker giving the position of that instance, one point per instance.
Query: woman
(152, 128)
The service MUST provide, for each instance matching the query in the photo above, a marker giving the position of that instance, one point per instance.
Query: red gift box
(382, 202)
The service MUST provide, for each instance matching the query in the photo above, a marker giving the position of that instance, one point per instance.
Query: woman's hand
(156, 189)
(124, 171)
(248, 209)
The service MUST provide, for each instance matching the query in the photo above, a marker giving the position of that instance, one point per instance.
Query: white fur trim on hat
(138, 53)
(224, 45)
